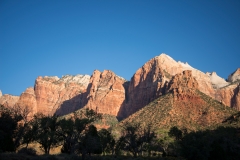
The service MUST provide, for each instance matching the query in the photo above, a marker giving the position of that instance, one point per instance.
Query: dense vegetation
(78, 136)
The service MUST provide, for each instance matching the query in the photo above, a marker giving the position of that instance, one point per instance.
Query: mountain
(183, 106)
(110, 94)
(150, 81)
(50, 95)
(105, 92)
(235, 76)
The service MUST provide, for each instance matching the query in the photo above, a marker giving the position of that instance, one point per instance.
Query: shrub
(28, 151)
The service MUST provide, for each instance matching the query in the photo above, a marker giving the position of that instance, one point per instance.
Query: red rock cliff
(106, 92)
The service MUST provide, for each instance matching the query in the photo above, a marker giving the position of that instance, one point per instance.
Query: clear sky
(59, 37)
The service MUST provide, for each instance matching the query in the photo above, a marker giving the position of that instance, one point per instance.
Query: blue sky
(58, 37)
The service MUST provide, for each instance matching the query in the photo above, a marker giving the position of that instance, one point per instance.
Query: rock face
(183, 106)
(0, 93)
(183, 85)
(28, 100)
(217, 81)
(146, 84)
(151, 80)
(105, 93)
(8, 101)
(51, 95)
(235, 76)
(108, 93)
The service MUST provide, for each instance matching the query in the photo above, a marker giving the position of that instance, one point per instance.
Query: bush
(28, 151)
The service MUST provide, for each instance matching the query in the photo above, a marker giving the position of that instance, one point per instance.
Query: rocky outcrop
(27, 100)
(236, 98)
(235, 76)
(147, 84)
(150, 81)
(172, 67)
(50, 95)
(183, 106)
(217, 81)
(108, 93)
(183, 85)
(105, 93)
(8, 101)
(0, 93)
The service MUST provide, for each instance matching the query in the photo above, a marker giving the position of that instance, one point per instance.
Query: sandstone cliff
(105, 93)
(235, 76)
(50, 95)
(183, 106)
(150, 81)
(8, 101)
(108, 93)
(58, 95)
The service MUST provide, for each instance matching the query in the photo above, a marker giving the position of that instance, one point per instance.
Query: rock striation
(105, 93)
(50, 95)
(53, 94)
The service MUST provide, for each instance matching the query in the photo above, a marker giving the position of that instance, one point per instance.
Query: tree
(107, 141)
(137, 139)
(8, 129)
(175, 132)
(72, 131)
(46, 134)
(90, 142)
(31, 131)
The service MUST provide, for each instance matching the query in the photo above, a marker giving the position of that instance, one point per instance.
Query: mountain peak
(235, 76)
(164, 56)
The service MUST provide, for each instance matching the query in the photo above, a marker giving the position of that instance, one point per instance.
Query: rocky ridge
(8, 100)
(105, 93)
(50, 95)
(183, 106)
(108, 93)
(235, 76)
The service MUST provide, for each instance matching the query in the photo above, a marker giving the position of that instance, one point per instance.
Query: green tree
(8, 129)
(90, 143)
(136, 139)
(72, 131)
(175, 132)
(107, 141)
(46, 134)
(31, 131)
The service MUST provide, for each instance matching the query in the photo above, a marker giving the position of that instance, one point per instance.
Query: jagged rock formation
(105, 93)
(8, 101)
(235, 76)
(183, 106)
(217, 81)
(50, 95)
(53, 94)
(147, 84)
(150, 82)
(27, 100)
(0, 93)
(108, 93)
